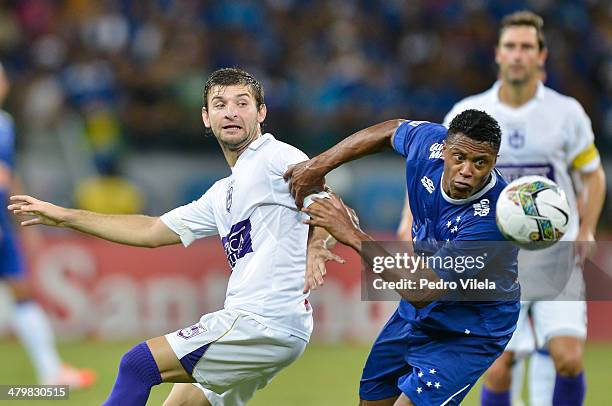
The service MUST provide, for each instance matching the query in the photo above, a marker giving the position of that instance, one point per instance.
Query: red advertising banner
(93, 288)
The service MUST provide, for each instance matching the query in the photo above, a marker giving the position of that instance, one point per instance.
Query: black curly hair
(476, 125)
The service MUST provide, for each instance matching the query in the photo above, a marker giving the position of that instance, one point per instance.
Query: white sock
(542, 376)
(32, 327)
(518, 376)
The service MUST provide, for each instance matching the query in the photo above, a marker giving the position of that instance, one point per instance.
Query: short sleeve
(412, 133)
(194, 220)
(581, 151)
(280, 162)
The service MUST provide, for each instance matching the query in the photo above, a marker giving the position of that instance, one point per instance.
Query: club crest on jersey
(435, 150)
(191, 331)
(237, 243)
(228, 196)
(428, 184)
(516, 138)
(481, 208)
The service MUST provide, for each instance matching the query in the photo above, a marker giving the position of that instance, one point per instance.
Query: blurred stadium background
(107, 97)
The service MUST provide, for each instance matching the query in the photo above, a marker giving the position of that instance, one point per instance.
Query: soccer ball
(533, 212)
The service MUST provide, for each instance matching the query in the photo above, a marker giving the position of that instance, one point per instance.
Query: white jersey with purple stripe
(263, 235)
(549, 136)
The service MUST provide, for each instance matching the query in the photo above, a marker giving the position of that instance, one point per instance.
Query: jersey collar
(495, 91)
(476, 196)
(254, 146)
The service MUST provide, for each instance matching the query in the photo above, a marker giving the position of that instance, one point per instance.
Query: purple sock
(489, 398)
(569, 390)
(138, 372)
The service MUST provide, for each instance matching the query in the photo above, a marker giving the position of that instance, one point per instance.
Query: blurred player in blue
(29, 322)
(435, 347)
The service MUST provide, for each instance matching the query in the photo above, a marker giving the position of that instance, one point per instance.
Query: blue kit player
(439, 341)
(28, 320)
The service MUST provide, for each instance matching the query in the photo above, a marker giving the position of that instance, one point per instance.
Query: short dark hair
(478, 126)
(525, 18)
(232, 77)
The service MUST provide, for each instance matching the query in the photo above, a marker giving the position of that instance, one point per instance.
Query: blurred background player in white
(267, 320)
(548, 134)
(28, 320)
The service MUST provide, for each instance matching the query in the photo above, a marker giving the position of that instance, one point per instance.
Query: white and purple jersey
(548, 136)
(262, 232)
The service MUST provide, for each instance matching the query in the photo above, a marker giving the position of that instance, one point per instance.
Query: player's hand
(318, 255)
(43, 212)
(584, 247)
(336, 217)
(304, 179)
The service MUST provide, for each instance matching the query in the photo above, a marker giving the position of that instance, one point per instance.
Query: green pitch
(326, 375)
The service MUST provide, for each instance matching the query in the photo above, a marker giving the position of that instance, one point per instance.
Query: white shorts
(231, 355)
(550, 319)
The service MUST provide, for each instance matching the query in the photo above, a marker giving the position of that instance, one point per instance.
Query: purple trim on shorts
(190, 360)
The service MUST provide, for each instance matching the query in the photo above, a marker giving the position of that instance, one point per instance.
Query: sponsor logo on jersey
(435, 150)
(228, 196)
(515, 171)
(481, 208)
(237, 243)
(192, 331)
(516, 139)
(428, 183)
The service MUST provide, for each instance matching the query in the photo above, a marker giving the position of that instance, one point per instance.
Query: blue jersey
(11, 261)
(438, 219)
(7, 140)
(7, 159)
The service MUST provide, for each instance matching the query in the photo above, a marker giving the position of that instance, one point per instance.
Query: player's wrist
(358, 238)
(67, 217)
(325, 163)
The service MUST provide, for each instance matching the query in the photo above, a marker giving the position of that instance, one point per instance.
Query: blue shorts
(429, 368)
(11, 260)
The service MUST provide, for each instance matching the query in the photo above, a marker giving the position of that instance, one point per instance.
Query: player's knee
(566, 353)
(568, 363)
(132, 361)
(499, 374)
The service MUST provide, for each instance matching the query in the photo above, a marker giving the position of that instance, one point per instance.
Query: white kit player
(548, 134)
(266, 321)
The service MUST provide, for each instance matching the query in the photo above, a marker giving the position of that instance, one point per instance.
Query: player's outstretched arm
(307, 177)
(136, 230)
(337, 219)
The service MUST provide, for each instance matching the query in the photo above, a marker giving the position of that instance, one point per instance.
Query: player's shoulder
(281, 147)
(273, 149)
(478, 100)
(560, 101)
(278, 155)
(419, 139)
